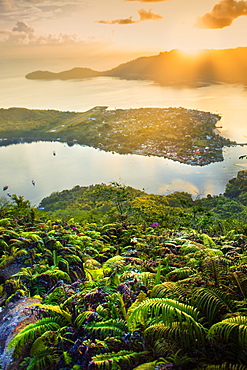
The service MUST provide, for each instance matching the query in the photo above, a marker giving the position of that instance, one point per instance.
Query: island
(169, 68)
(185, 135)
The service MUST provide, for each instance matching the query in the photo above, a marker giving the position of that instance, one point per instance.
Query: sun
(190, 50)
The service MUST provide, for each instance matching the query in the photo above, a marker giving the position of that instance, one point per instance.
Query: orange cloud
(223, 14)
(144, 15)
(118, 21)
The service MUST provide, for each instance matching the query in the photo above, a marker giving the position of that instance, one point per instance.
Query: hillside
(140, 282)
(106, 201)
(171, 68)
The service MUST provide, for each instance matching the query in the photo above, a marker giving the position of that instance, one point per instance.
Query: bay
(78, 165)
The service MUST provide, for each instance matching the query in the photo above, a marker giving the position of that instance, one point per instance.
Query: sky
(101, 34)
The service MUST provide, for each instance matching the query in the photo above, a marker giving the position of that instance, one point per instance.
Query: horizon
(103, 34)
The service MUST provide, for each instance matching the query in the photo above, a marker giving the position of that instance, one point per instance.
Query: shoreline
(185, 135)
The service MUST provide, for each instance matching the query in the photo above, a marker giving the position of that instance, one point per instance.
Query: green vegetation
(184, 135)
(30, 123)
(128, 280)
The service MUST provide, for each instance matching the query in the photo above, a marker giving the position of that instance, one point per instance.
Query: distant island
(170, 68)
(184, 135)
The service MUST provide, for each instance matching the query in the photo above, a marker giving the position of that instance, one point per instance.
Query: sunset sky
(101, 34)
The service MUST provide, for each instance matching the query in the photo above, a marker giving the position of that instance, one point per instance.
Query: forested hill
(178, 209)
(171, 68)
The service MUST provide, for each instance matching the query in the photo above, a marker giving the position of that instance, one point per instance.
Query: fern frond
(81, 318)
(108, 360)
(163, 290)
(190, 249)
(179, 274)
(72, 258)
(58, 274)
(4, 246)
(43, 360)
(115, 262)
(240, 279)
(212, 302)
(91, 264)
(208, 241)
(169, 311)
(155, 332)
(232, 329)
(216, 269)
(141, 297)
(147, 278)
(170, 289)
(43, 343)
(225, 366)
(55, 309)
(103, 312)
(112, 327)
(31, 332)
(147, 366)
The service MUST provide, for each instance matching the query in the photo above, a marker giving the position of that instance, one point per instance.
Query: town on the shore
(184, 135)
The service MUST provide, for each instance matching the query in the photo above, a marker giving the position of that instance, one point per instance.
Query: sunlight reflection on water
(80, 165)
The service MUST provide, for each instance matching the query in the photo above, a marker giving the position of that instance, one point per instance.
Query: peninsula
(173, 68)
(184, 135)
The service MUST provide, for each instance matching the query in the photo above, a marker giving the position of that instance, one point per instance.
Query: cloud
(23, 34)
(5, 5)
(118, 21)
(37, 9)
(144, 15)
(223, 14)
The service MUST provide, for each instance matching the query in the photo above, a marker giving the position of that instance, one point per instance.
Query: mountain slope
(171, 68)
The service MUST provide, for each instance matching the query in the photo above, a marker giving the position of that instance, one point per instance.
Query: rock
(13, 318)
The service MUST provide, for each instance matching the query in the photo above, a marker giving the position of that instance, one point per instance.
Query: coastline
(185, 135)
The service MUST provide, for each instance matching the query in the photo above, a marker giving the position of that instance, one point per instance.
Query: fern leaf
(155, 332)
(147, 366)
(81, 318)
(212, 302)
(108, 360)
(169, 311)
(55, 309)
(240, 279)
(179, 273)
(147, 278)
(43, 343)
(234, 328)
(31, 332)
(42, 361)
(208, 241)
(113, 327)
(141, 297)
(164, 290)
(225, 366)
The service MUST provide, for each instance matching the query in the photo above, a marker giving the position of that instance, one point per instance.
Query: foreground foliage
(126, 288)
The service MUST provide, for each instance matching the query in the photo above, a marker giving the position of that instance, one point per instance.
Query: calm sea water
(78, 165)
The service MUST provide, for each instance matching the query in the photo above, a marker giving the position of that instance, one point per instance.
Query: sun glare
(190, 51)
